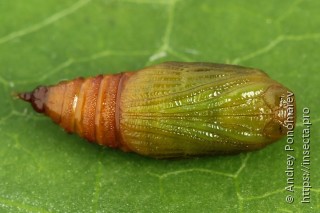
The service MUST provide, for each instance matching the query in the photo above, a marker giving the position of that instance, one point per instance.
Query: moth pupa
(173, 109)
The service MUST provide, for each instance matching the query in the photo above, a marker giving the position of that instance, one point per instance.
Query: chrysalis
(173, 109)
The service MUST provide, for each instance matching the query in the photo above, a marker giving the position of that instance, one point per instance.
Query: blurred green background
(43, 169)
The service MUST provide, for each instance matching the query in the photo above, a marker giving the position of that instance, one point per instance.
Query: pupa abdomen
(172, 109)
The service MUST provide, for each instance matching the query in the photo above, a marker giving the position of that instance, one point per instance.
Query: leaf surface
(43, 169)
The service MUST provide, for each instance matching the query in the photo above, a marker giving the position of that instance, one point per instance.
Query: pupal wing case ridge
(176, 109)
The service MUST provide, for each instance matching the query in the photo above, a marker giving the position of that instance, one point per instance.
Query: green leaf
(43, 169)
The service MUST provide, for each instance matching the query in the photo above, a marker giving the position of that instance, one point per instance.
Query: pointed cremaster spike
(37, 98)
